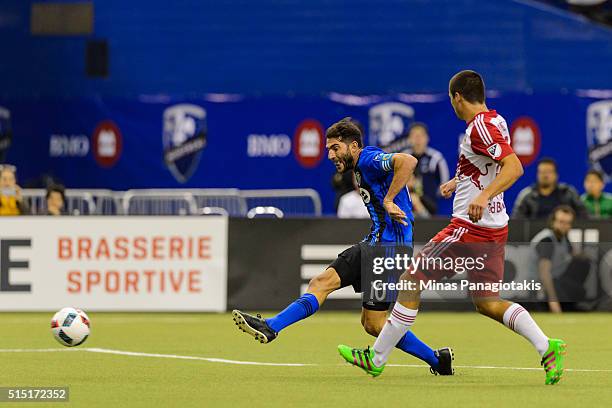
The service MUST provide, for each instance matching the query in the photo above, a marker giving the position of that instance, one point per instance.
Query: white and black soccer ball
(70, 327)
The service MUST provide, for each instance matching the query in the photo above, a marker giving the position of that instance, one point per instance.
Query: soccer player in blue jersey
(382, 179)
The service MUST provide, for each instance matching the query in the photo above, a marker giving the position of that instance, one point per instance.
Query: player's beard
(347, 162)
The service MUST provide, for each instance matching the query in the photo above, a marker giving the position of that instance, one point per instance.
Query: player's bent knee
(373, 328)
(373, 321)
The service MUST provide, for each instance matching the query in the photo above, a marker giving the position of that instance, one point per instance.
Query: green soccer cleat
(361, 358)
(553, 360)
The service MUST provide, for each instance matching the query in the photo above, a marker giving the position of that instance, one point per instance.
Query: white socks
(397, 325)
(518, 319)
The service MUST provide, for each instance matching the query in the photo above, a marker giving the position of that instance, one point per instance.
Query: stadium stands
(230, 202)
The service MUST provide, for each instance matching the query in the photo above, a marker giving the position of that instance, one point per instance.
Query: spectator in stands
(432, 170)
(11, 200)
(561, 271)
(351, 204)
(56, 200)
(538, 200)
(422, 205)
(597, 202)
(342, 183)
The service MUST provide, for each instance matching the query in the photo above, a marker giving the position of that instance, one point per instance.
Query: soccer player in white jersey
(487, 167)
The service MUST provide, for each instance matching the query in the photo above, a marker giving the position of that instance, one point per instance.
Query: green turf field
(99, 379)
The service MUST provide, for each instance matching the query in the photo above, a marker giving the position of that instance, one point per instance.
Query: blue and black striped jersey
(374, 172)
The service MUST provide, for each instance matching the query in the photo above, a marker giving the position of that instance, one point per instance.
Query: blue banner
(221, 140)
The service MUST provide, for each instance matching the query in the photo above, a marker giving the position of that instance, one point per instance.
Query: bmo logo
(309, 143)
(107, 143)
(9, 263)
(526, 139)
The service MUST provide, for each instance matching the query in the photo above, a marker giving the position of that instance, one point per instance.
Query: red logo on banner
(107, 143)
(309, 143)
(526, 139)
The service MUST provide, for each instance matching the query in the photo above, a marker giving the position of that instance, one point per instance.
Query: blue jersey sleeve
(378, 163)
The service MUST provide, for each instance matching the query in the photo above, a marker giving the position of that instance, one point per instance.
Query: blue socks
(306, 305)
(413, 346)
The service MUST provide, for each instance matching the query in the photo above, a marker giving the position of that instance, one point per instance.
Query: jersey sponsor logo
(526, 139)
(599, 136)
(107, 143)
(309, 143)
(389, 121)
(365, 195)
(494, 150)
(496, 207)
(184, 137)
(5, 132)
(468, 170)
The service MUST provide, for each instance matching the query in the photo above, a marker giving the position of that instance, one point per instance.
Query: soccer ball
(70, 326)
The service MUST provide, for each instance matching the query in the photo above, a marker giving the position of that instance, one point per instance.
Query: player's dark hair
(595, 173)
(549, 160)
(417, 125)
(564, 208)
(346, 130)
(468, 84)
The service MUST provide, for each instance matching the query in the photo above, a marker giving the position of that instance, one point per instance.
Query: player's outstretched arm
(511, 170)
(403, 167)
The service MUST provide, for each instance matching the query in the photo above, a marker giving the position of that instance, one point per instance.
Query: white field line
(477, 367)
(225, 361)
(209, 359)
(43, 350)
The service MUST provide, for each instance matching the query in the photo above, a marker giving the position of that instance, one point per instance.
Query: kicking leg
(373, 322)
(306, 305)
(402, 317)
(266, 330)
(517, 319)
(395, 329)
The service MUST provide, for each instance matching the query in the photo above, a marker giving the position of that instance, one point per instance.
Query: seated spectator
(432, 170)
(597, 202)
(561, 271)
(538, 200)
(11, 200)
(351, 204)
(56, 200)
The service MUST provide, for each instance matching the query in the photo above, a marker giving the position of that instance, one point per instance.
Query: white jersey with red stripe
(486, 142)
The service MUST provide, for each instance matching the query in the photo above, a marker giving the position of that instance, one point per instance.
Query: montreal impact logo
(389, 121)
(184, 139)
(599, 136)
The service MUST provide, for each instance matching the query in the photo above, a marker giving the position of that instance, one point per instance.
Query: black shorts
(348, 265)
